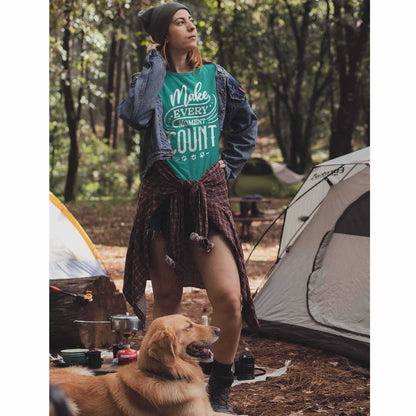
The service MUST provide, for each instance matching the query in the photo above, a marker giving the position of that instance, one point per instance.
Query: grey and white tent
(318, 292)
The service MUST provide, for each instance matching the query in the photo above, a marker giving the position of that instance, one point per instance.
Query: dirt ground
(316, 382)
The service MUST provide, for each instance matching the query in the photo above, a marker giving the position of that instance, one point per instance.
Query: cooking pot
(126, 323)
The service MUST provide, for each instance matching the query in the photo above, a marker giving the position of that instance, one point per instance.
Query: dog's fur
(165, 381)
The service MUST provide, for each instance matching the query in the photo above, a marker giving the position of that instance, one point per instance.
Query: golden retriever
(166, 380)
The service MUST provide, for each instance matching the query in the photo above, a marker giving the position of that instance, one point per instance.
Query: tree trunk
(319, 86)
(301, 157)
(274, 113)
(71, 115)
(350, 45)
(65, 309)
(117, 94)
(90, 105)
(218, 33)
(110, 88)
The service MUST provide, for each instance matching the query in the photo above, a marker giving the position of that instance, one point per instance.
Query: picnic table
(249, 213)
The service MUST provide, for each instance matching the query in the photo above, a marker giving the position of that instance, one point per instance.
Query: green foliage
(102, 170)
(281, 51)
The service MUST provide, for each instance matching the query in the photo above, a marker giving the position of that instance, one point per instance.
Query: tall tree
(295, 78)
(117, 20)
(351, 35)
(109, 112)
(303, 63)
(73, 111)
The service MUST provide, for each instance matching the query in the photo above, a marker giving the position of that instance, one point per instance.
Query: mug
(93, 359)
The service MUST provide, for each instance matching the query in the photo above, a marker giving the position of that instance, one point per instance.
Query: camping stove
(126, 356)
(126, 326)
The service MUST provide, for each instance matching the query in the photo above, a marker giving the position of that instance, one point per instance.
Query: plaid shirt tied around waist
(207, 202)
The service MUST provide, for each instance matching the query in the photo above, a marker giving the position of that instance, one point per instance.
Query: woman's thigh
(219, 271)
(165, 281)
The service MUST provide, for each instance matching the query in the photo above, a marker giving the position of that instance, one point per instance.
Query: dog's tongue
(208, 352)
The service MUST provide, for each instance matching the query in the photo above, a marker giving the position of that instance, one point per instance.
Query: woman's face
(182, 31)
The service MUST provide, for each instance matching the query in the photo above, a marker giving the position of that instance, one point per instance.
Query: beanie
(156, 20)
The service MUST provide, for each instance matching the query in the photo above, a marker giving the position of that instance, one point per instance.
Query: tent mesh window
(334, 275)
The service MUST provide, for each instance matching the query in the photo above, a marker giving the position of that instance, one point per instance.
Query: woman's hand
(221, 164)
(152, 46)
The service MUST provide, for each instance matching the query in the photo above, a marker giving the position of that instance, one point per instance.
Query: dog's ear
(162, 347)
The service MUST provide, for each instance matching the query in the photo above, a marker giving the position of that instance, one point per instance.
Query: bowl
(74, 356)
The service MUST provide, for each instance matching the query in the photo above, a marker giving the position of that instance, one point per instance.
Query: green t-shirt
(190, 120)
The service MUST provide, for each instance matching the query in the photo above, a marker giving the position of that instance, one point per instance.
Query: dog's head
(173, 343)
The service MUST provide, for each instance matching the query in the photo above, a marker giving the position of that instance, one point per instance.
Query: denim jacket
(143, 109)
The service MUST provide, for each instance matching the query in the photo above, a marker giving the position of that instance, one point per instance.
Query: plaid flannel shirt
(207, 201)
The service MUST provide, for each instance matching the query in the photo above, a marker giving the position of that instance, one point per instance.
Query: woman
(184, 233)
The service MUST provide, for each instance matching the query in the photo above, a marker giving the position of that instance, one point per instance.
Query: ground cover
(316, 382)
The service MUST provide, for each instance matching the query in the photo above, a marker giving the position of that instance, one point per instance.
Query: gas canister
(126, 356)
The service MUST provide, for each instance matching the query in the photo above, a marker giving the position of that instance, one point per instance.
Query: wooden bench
(245, 217)
(247, 221)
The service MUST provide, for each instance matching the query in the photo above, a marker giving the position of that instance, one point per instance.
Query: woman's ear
(162, 347)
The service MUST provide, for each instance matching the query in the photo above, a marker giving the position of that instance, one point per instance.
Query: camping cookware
(74, 356)
(126, 324)
(123, 324)
(93, 359)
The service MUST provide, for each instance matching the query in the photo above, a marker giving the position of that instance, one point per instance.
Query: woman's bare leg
(166, 285)
(221, 279)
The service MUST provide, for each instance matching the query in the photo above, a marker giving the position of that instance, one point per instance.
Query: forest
(303, 63)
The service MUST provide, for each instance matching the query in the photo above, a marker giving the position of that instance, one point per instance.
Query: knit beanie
(156, 20)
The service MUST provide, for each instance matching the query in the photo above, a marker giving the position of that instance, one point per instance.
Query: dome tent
(270, 179)
(81, 292)
(71, 252)
(318, 291)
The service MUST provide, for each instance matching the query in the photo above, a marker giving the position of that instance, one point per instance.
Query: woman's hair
(193, 58)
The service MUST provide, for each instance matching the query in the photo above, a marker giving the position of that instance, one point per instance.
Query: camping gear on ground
(318, 291)
(93, 359)
(116, 348)
(75, 269)
(270, 179)
(126, 325)
(244, 368)
(126, 356)
(74, 356)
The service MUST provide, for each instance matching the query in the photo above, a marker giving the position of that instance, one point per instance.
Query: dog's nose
(217, 331)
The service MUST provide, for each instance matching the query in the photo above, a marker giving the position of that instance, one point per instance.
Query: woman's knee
(227, 304)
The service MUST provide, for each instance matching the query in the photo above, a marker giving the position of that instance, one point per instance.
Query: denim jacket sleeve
(138, 107)
(240, 127)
